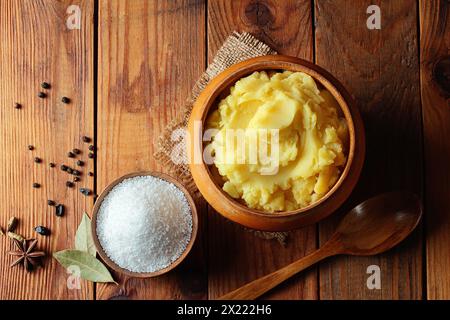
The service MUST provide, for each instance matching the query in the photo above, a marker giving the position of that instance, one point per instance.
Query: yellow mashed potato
(312, 139)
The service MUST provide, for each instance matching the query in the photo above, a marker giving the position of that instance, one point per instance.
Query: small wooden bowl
(210, 183)
(99, 248)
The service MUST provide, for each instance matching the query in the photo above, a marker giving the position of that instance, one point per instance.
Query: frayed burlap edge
(171, 153)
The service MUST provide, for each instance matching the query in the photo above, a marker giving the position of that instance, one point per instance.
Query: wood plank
(380, 68)
(37, 46)
(235, 255)
(435, 88)
(150, 55)
(283, 25)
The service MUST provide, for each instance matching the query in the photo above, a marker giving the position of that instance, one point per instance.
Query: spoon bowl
(378, 224)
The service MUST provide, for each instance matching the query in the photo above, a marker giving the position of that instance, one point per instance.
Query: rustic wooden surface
(129, 69)
(150, 54)
(379, 67)
(36, 46)
(434, 64)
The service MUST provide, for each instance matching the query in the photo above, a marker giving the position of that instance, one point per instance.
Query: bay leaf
(91, 269)
(83, 238)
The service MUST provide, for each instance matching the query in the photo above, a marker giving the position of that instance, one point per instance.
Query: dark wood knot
(258, 13)
(441, 74)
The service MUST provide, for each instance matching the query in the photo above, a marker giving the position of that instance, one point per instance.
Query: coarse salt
(144, 224)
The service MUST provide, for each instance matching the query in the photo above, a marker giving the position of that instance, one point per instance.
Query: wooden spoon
(374, 226)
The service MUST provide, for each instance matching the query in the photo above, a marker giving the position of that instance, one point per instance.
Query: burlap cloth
(171, 151)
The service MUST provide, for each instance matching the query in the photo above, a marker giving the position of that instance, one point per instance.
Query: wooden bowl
(111, 263)
(210, 183)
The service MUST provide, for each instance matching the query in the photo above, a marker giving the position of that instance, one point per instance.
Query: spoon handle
(256, 288)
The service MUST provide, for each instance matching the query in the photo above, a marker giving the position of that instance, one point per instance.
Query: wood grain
(380, 68)
(235, 255)
(36, 46)
(435, 88)
(150, 55)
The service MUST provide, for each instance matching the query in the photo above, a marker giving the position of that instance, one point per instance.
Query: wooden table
(129, 68)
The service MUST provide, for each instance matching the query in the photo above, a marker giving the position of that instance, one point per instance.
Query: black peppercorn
(91, 174)
(41, 95)
(71, 154)
(69, 170)
(45, 85)
(69, 184)
(91, 155)
(86, 139)
(36, 185)
(65, 100)
(59, 210)
(64, 167)
(42, 230)
(51, 202)
(76, 173)
(85, 191)
(37, 160)
(17, 106)
(80, 163)
(76, 179)
(30, 147)
(52, 165)
(76, 151)
(92, 147)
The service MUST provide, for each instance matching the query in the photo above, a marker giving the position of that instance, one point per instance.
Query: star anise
(26, 255)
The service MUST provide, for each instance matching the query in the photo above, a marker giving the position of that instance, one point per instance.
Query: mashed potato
(296, 125)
